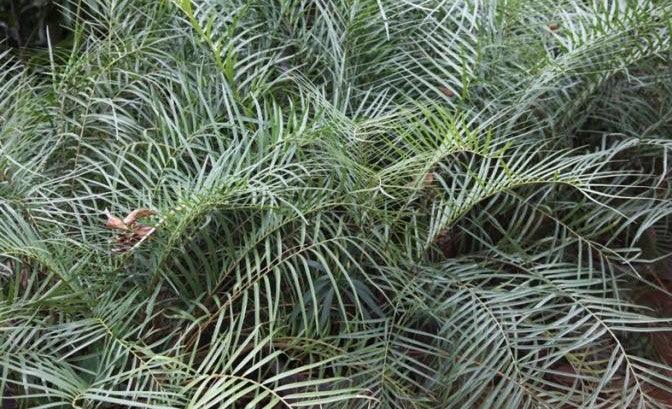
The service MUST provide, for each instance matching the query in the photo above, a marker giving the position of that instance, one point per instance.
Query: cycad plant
(338, 204)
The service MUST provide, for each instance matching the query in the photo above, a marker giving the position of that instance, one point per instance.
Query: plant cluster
(338, 204)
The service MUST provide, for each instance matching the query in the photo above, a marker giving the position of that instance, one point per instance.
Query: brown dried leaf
(446, 91)
(142, 231)
(129, 240)
(429, 178)
(138, 214)
(123, 243)
(114, 222)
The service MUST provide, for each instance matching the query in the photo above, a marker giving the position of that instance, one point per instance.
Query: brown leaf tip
(133, 233)
(114, 222)
(136, 214)
(446, 91)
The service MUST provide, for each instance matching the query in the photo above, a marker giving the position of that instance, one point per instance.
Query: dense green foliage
(354, 204)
